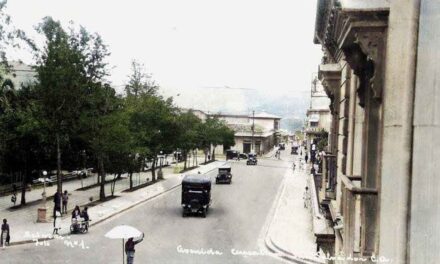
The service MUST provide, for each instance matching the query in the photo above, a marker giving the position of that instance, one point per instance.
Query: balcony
(358, 212)
(313, 130)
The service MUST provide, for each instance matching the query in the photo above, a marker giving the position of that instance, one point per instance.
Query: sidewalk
(290, 233)
(24, 228)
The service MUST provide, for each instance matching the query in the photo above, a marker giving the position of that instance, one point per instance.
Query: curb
(289, 255)
(272, 246)
(282, 253)
(105, 218)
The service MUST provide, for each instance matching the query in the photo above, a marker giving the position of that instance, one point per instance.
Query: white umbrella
(123, 232)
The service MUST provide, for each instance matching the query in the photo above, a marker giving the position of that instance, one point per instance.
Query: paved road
(235, 221)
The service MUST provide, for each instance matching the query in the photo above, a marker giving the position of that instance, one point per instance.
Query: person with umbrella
(129, 248)
(126, 232)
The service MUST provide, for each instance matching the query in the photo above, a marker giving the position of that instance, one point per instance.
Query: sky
(193, 48)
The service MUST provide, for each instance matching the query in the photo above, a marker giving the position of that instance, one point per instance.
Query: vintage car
(232, 154)
(224, 174)
(252, 159)
(243, 156)
(294, 150)
(196, 194)
(282, 146)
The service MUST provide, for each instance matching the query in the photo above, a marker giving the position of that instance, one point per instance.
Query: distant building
(21, 74)
(318, 115)
(261, 139)
(264, 136)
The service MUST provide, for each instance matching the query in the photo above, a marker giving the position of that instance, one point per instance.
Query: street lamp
(43, 209)
(44, 188)
(160, 173)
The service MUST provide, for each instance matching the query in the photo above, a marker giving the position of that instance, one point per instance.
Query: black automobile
(294, 150)
(252, 159)
(282, 146)
(196, 194)
(243, 156)
(232, 154)
(224, 174)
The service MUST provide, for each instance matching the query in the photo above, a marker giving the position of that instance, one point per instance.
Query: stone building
(20, 74)
(318, 115)
(260, 140)
(379, 188)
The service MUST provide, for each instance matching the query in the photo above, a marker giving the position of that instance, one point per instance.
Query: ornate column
(364, 50)
(330, 77)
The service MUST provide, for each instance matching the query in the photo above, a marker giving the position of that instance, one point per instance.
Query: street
(233, 228)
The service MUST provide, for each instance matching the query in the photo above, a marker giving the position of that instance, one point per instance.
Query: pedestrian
(5, 234)
(85, 216)
(306, 157)
(65, 200)
(56, 206)
(56, 222)
(306, 197)
(76, 213)
(129, 248)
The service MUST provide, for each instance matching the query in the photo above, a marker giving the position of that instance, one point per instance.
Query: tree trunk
(59, 174)
(206, 155)
(195, 156)
(213, 153)
(23, 188)
(101, 172)
(131, 179)
(153, 170)
(185, 158)
(115, 177)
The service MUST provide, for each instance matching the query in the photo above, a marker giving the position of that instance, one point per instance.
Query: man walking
(65, 200)
(129, 248)
(56, 206)
(5, 236)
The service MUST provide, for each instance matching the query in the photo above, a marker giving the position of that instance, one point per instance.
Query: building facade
(379, 188)
(261, 139)
(256, 133)
(318, 115)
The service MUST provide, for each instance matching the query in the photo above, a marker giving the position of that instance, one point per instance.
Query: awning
(314, 118)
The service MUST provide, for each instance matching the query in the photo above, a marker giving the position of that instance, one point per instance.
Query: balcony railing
(357, 201)
(329, 170)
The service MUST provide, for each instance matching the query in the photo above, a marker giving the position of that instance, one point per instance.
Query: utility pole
(253, 130)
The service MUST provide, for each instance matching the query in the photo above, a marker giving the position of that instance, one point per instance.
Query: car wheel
(204, 213)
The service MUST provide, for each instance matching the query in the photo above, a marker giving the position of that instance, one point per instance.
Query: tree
(68, 68)
(23, 134)
(140, 82)
(153, 125)
(188, 137)
(105, 129)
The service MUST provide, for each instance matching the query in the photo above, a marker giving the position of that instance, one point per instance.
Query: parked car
(232, 154)
(243, 156)
(224, 174)
(252, 159)
(196, 194)
(282, 146)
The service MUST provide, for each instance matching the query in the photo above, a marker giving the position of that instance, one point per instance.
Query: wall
(424, 233)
